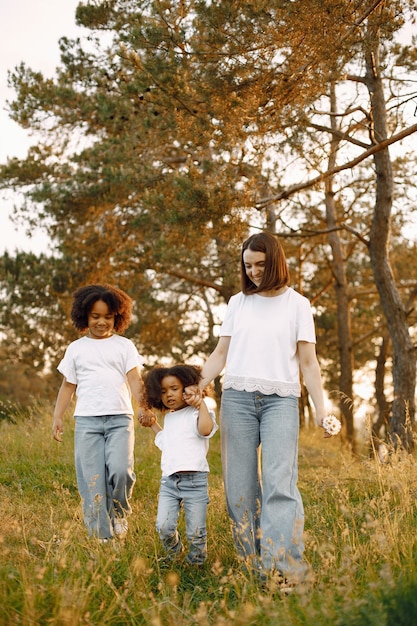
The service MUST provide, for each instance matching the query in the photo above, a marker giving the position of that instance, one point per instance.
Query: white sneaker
(120, 526)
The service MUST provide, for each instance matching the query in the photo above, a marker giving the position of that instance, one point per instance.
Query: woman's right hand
(192, 395)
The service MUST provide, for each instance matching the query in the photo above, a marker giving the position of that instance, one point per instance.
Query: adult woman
(266, 338)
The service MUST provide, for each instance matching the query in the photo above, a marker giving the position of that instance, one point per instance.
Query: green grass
(361, 523)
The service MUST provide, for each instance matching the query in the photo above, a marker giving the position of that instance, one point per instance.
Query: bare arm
(310, 370)
(138, 391)
(205, 423)
(64, 397)
(215, 362)
(212, 368)
(136, 386)
(155, 427)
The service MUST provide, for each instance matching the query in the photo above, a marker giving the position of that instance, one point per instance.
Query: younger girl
(102, 368)
(184, 445)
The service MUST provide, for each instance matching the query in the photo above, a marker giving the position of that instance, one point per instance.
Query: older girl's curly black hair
(117, 300)
(187, 374)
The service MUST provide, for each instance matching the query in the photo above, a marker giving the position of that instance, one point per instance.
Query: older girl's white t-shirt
(99, 367)
(264, 332)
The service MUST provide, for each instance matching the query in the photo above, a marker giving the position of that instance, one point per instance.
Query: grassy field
(361, 528)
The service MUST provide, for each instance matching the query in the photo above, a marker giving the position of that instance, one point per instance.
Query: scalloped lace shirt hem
(266, 387)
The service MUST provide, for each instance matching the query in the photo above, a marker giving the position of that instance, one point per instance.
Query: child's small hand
(146, 418)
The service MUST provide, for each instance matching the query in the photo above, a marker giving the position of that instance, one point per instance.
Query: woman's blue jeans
(187, 489)
(259, 439)
(104, 460)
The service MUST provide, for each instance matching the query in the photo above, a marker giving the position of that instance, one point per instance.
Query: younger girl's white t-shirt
(264, 332)
(99, 367)
(183, 448)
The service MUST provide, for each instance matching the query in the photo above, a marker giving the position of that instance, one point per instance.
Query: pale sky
(29, 32)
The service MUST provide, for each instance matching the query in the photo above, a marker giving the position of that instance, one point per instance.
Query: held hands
(192, 396)
(146, 417)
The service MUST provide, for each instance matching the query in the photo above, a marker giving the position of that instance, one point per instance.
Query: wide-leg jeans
(259, 443)
(189, 490)
(104, 462)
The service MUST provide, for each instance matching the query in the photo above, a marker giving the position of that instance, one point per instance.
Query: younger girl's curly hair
(186, 374)
(117, 300)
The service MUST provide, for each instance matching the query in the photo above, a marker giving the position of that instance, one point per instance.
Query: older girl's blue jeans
(259, 438)
(104, 458)
(189, 490)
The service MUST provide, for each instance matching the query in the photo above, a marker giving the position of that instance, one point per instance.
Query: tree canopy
(172, 129)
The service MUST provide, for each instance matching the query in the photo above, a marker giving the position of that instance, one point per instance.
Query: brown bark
(404, 360)
(384, 407)
(341, 289)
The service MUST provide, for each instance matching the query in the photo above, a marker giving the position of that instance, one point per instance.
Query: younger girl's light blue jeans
(259, 438)
(189, 490)
(104, 449)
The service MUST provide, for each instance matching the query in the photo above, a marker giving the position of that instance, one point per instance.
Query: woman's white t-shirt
(98, 367)
(264, 332)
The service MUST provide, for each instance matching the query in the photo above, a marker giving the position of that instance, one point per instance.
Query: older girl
(102, 369)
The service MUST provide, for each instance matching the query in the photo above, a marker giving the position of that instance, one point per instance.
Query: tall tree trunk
(404, 359)
(384, 407)
(341, 289)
